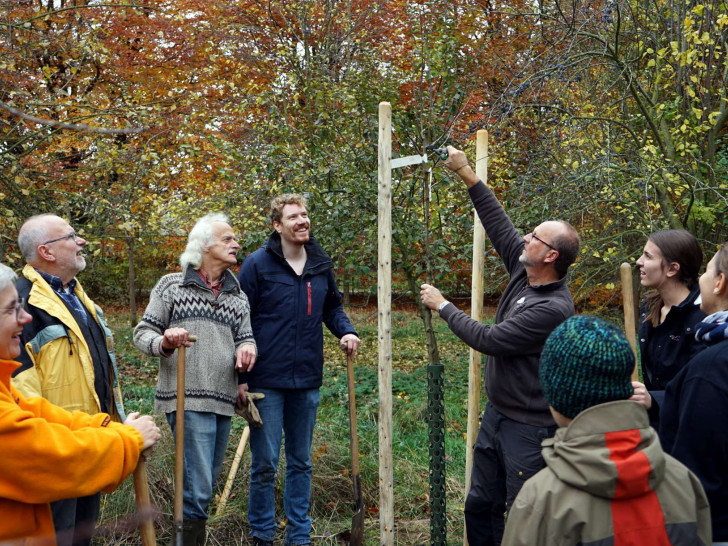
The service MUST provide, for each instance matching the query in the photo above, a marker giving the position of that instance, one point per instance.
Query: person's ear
(551, 256)
(721, 285)
(45, 252)
(672, 269)
(277, 226)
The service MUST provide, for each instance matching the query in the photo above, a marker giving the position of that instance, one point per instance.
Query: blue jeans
(292, 413)
(505, 455)
(206, 438)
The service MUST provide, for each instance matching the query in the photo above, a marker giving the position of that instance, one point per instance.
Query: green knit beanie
(586, 361)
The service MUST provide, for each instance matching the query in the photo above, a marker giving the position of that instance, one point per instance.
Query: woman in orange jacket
(48, 453)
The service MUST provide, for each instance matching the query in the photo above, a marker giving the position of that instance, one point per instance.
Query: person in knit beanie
(586, 361)
(607, 480)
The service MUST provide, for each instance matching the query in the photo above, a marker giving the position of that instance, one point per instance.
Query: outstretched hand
(458, 163)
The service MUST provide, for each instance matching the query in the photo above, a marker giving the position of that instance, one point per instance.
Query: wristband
(442, 306)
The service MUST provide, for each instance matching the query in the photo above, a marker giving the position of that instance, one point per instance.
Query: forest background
(132, 119)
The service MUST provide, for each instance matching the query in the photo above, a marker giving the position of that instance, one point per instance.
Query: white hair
(199, 239)
(7, 276)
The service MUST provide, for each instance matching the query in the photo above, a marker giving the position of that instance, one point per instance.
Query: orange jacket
(47, 454)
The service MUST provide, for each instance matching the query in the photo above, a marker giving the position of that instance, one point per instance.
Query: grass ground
(332, 503)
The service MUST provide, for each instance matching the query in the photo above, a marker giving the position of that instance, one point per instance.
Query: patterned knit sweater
(222, 325)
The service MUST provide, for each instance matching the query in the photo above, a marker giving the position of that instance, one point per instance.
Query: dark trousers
(505, 455)
(75, 519)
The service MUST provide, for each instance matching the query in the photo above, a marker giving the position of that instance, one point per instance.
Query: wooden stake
(475, 374)
(384, 304)
(630, 323)
(233, 471)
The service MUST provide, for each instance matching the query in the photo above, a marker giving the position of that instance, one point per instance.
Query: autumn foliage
(134, 118)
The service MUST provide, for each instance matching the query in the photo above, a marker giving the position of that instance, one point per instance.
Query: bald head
(51, 245)
(549, 251)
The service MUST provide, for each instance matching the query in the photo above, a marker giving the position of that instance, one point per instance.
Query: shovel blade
(357, 528)
(357, 520)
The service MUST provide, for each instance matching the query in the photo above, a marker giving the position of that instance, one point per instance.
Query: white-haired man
(204, 300)
(67, 351)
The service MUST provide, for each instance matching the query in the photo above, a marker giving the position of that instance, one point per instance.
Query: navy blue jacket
(693, 429)
(287, 312)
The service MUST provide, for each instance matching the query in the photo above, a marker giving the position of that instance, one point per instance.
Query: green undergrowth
(332, 496)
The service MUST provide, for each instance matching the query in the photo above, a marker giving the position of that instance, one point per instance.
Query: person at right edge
(694, 414)
(669, 312)
(516, 419)
(607, 479)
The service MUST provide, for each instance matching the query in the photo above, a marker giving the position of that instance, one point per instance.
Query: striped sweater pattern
(222, 325)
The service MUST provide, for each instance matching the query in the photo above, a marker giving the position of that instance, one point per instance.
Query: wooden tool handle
(630, 324)
(352, 416)
(144, 505)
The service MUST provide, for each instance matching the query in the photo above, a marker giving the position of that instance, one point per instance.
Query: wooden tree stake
(475, 374)
(384, 306)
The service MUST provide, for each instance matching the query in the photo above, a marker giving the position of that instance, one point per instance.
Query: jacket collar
(603, 442)
(551, 286)
(692, 298)
(230, 284)
(316, 256)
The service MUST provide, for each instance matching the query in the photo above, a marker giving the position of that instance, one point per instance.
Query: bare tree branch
(70, 126)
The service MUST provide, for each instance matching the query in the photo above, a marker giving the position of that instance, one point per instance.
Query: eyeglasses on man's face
(534, 236)
(71, 235)
(17, 308)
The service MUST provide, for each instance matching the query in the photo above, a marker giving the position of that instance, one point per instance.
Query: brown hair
(277, 204)
(679, 246)
(567, 245)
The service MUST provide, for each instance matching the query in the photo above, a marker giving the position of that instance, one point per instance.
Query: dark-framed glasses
(534, 236)
(17, 307)
(71, 235)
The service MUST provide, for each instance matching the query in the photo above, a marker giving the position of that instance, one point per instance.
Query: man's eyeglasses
(18, 306)
(534, 236)
(71, 235)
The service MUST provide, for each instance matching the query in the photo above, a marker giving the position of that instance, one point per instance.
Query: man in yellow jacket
(48, 453)
(67, 352)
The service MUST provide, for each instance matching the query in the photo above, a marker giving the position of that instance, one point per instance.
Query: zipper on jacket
(308, 290)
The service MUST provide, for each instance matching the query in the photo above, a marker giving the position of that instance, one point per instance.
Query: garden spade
(357, 521)
(179, 438)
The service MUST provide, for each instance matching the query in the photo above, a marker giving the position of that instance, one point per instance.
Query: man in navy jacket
(291, 289)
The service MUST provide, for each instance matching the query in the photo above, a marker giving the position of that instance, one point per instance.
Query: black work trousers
(505, 455)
